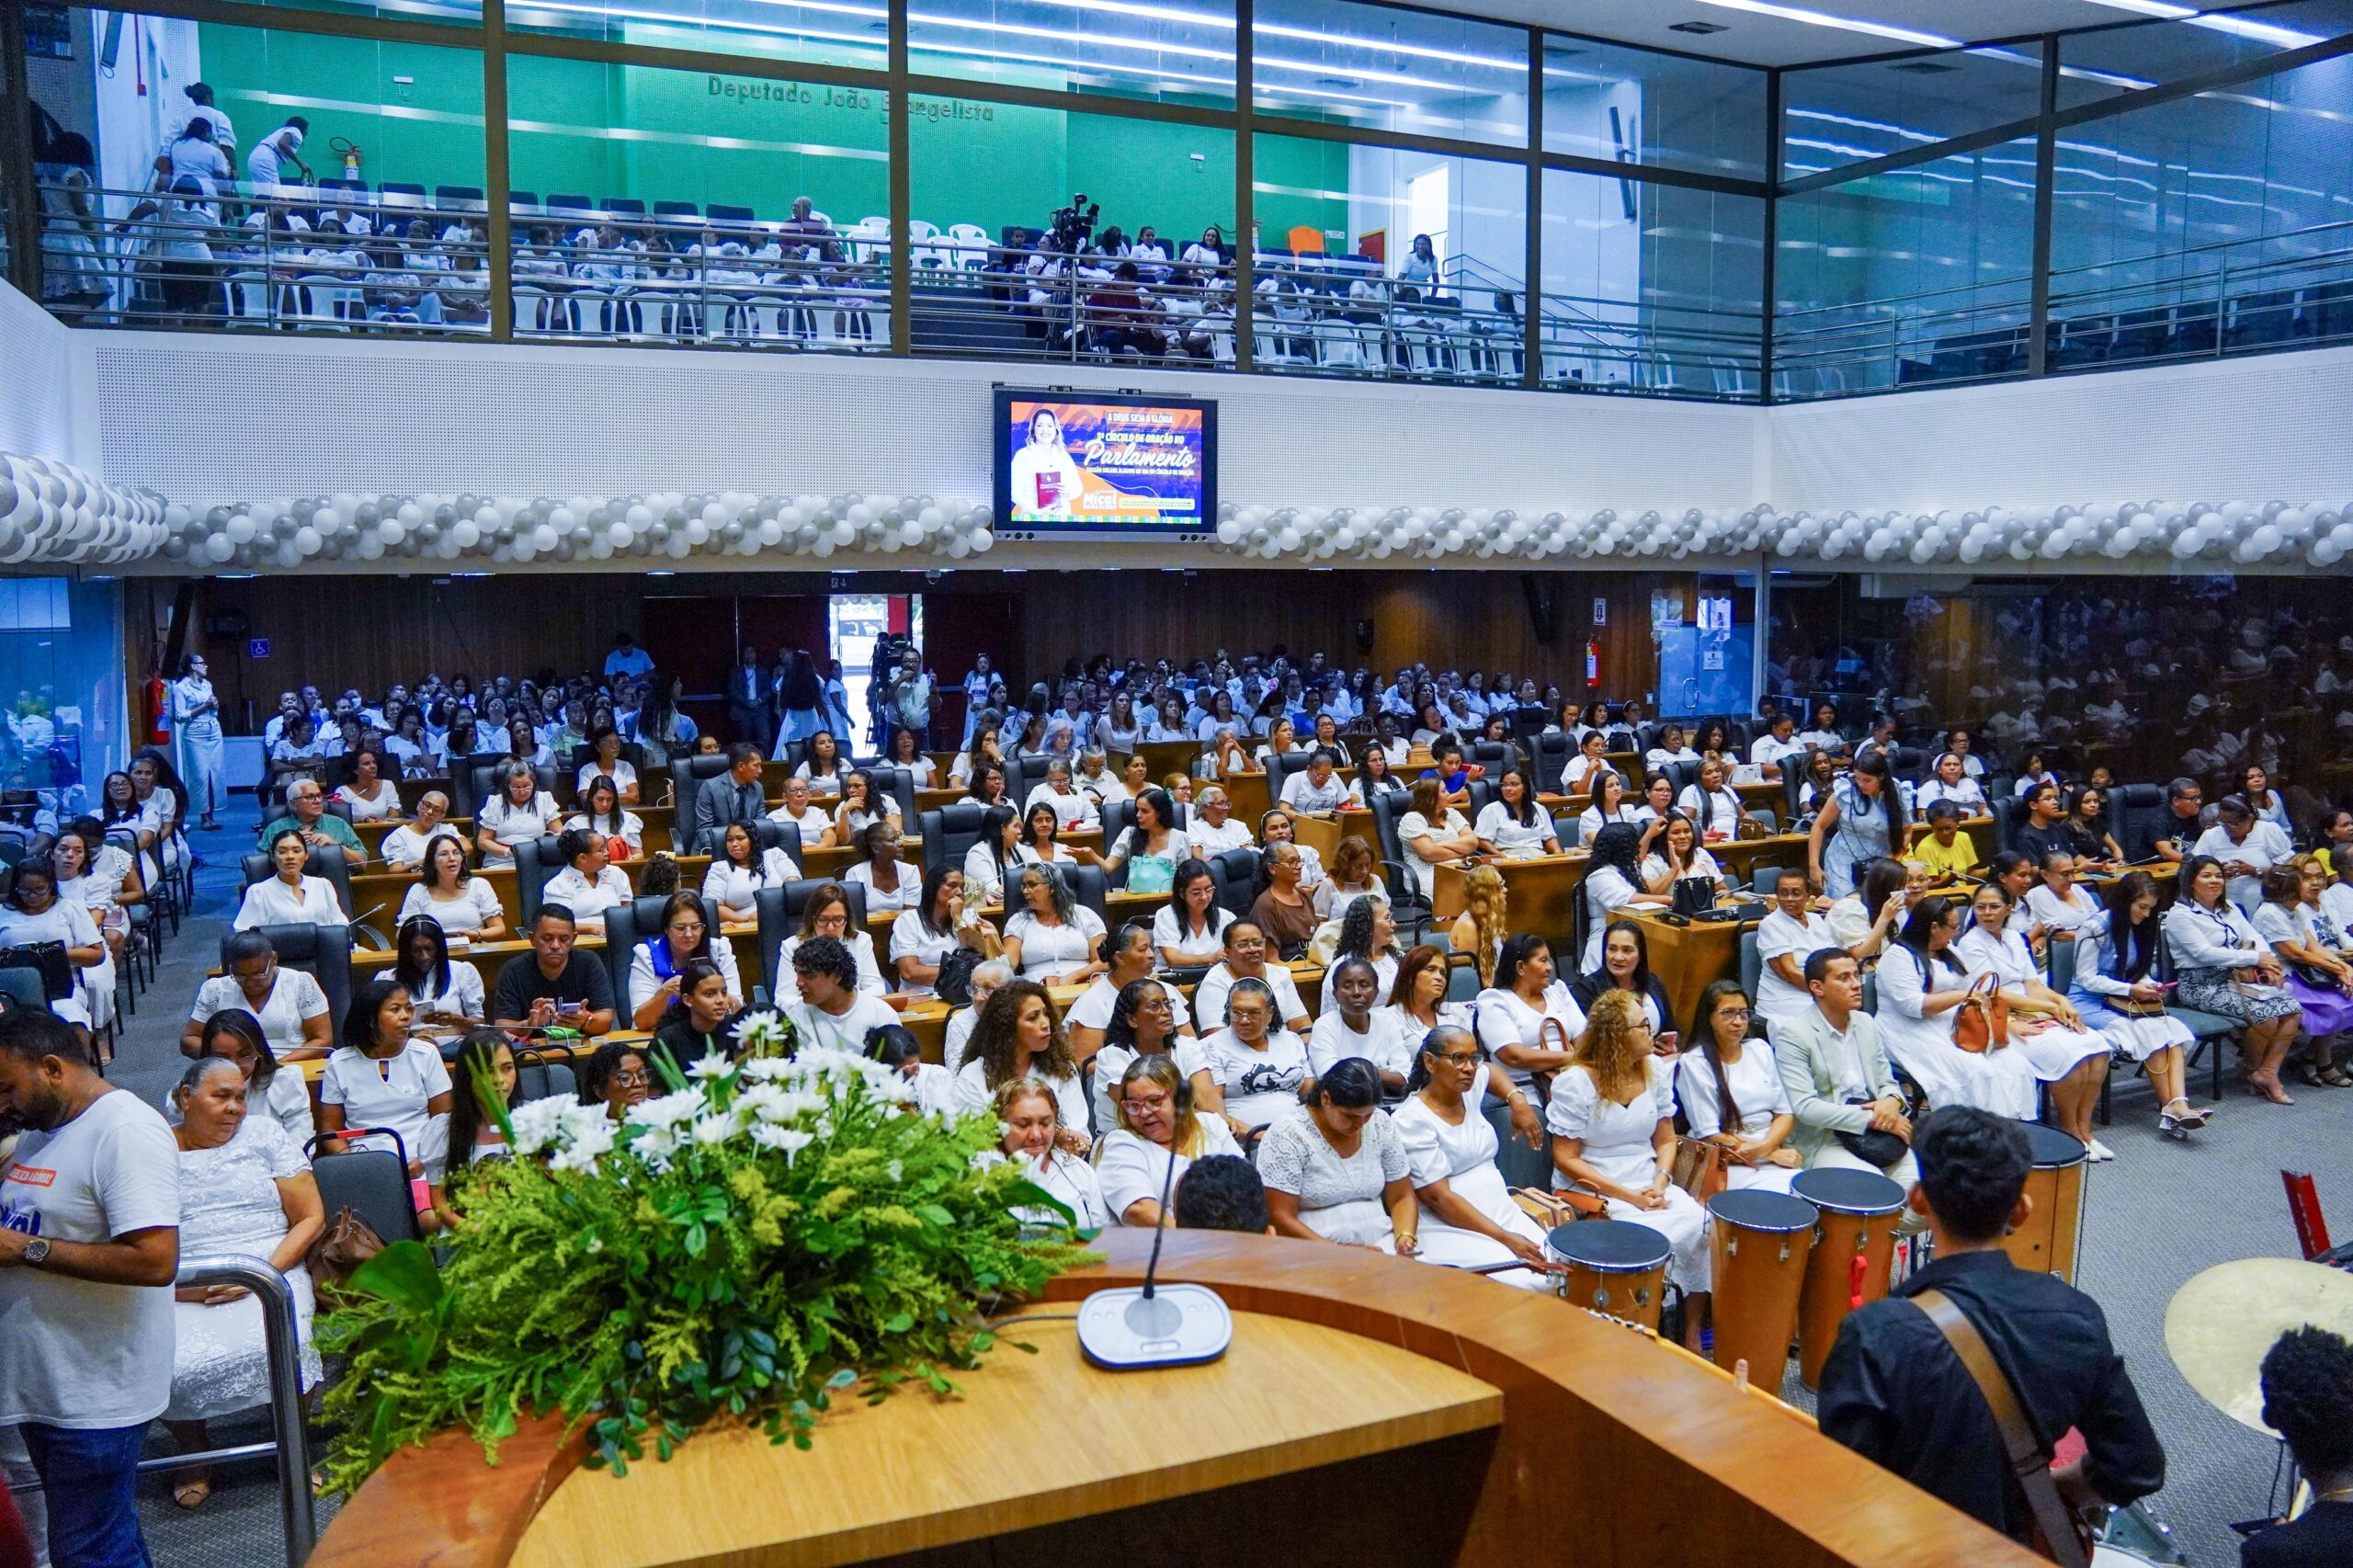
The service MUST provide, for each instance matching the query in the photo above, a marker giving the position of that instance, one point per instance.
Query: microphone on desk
(1134, 1327)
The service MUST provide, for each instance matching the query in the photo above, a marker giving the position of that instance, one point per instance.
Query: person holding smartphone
(553, 985)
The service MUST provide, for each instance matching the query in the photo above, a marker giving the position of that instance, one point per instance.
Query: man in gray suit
(1830, 1060)
(732, 797)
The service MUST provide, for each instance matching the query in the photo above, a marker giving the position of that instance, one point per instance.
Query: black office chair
(1028, 772)
(1089, 887)
(373, 1182)
(1279, 770)
(328, 863)
(2139, 813)
(949, 834)
(26, 987)
(700, 769)
(536, 861)
(1235, 875)
(626, 925)
(1551, 755)
(899, 785)
(535, 1079)
(779, 920)
(323, 952)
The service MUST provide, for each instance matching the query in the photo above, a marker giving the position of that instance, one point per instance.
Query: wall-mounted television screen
(1072, 462)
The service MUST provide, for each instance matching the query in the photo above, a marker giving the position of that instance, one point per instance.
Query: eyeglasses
(1460, 1058)
(640, 1080)
(1741, 1014)
(1138, 1105)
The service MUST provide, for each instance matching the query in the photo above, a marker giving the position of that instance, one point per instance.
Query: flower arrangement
(771, 1231)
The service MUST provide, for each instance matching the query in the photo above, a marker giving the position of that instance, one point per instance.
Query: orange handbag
(1978, 1029)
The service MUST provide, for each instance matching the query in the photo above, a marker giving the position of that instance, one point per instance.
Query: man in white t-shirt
(89, 1246)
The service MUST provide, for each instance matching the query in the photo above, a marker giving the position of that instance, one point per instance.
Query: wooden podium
(1370, 1410)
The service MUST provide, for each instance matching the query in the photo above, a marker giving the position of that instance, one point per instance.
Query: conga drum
(1854, 1253)
(2046, 1242)
(1760, 1240)
(1615, 1267)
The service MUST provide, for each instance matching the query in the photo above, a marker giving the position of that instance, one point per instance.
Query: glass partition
(1604, 100)
(1651, 287)
(1183, 54)
(1006, 265)
(831, 32)
(1388, 68)
(1836, 115)
(1378, 261)
(673, 206)
(61, 677)
(330, 184)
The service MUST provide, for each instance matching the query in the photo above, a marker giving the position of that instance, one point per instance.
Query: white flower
(895, 1171)
(654, 1145)
(536, 1124)
(712, 1130)
(988, 1159)
(789, 1140)
(765, 1031)
(579, 1157)
(669, 1110)
(712, 1068)
(774, 1102)
(765, 1068)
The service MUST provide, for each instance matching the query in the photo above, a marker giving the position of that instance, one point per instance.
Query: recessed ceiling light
(1702, 28)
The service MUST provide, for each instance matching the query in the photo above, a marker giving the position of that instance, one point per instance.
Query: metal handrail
(281, 1338)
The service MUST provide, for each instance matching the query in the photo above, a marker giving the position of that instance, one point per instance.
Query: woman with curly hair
(1019, 1035)
(1480, 929)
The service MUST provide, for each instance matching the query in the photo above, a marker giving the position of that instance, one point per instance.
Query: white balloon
(466, 532)
(219, 546)
(543, 537)
(620, 534)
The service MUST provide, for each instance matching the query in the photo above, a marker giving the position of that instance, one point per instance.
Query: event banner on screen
(1134, 467)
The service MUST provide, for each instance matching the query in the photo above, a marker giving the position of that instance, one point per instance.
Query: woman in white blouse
(827, 913)
(2045, 1028)
(825, 767)
(862, 805)
(624, 831)
(1954, 782)
(1467, 1218)
(1670, 748)
(33, 913)
(1732, 1093)
(1712, 803)
(1020, 1036)
(927, 931)
(1613, 878)
(1355, 1024)
(1054, 938)
(994, 856)
(1151, 848)
(657, 964)
(369, 797)
(890, 882)
(1790, 934)
(290, 897)
(452, 896)
(443, 993)
(1432, 834)
(589, 883)
(1160, 1133)
(1513, 824)
(1528, 1020)
(1610, 803)
(904, 754)
(1032, 1119)
(383, 1077)
(1676, 855)
(738, 872)
(1258, 1062)
(519, 812)
(605, 758)
(2057, 902)
(1923, 989)
(1213, 829)
(1189, 929)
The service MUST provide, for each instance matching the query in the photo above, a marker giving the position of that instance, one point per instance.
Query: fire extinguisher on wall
(1592, 662)
(348, 151)
(159, 710)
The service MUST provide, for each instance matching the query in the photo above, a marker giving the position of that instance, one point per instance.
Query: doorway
(856, 625)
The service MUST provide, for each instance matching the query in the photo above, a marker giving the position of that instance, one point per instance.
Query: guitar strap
(2030, 1461)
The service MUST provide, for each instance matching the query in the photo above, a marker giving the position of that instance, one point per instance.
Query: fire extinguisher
(350, 151)
(1592, 662)
(159, 710)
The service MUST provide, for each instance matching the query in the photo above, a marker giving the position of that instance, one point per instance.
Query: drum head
(1753, 1210)
(1613, 1246)
(1849, 1192)
(2052, 1147)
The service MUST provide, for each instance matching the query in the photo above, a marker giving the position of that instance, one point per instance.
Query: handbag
(1693, 895)
(1881, 1151)
(2059, 1534)
(1703, 1168)
(1978, 1031)
(346, 1242)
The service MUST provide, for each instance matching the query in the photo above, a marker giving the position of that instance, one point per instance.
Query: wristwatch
(36, 1251)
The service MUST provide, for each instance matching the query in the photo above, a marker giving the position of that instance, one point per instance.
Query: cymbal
(2219, 1326)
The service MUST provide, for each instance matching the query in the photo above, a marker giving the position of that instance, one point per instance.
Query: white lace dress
(229, 1203)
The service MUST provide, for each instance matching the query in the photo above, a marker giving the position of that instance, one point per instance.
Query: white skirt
(1485, 1190)
(1767, 1178)
(1362, 1223)
(2003, 1082)
(2056, 1052)
(2137, 1038)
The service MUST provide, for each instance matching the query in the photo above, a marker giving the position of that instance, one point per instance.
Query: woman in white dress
(1512, 824)
(907, 755)
(1054, 938)
(1732, 1093)
(741, 868)
(605, 758)
(601, 811)
(2057, 902)
(383, 1077)
(2045, 1028)
(520, 811)
(1790, 934)
(1467, 1219)
(1160, 1134)
(1612, 1120)
(1258, 1062)
(1020, 1035)
(450, 895)
(1213, 829)
(1923, 987)
(891, 884)
(1587, 765)
(1610, 803)
(1151, 849)
(1526, 1019)
(1189, 929)
(996, 855)
(825, 767)
(244, 1189)
(862, 805)
(290, 897)
(2115, 990)
(1335, 1170)
(1416, 997)
(1953, 783)
(369, 797)
(1032, 1121)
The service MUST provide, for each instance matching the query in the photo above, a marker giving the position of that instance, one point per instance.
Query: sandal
(2336, 1077)
(192, 1493)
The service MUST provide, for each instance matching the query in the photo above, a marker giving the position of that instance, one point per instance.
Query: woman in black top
(701, 1018)
(1626, 966)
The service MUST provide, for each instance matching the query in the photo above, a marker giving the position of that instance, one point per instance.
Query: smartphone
(569, 1009)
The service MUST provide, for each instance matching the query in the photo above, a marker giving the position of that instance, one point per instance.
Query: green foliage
(747, 1249)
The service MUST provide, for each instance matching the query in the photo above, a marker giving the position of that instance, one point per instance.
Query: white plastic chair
(249, 296)
(969, 245)
(588, 312)
(531, 306)
(319, 304)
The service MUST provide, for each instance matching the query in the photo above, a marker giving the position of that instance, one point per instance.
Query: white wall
(48, 385)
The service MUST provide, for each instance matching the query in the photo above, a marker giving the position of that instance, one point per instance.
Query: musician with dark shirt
(1896, 1390)
(2308, 1400)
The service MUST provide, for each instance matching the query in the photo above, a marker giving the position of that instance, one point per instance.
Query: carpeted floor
(2156, 1215)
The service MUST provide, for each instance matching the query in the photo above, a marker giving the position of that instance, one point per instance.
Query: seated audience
(383, 1078)
(1626, 966)
(448, 893)
(892, 883)
(2212, 944)
(731, 886)
(1923, 987)
(1160, 1134)
(1189, 929)
(1842, 1089)
(553, 985)
(1335, 1168)
(1020, 1036)
(275, 1092)
(519, 811)
(827, 913)
(1257, 1063)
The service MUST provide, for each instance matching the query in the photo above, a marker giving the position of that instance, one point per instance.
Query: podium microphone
(1134, 1327)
